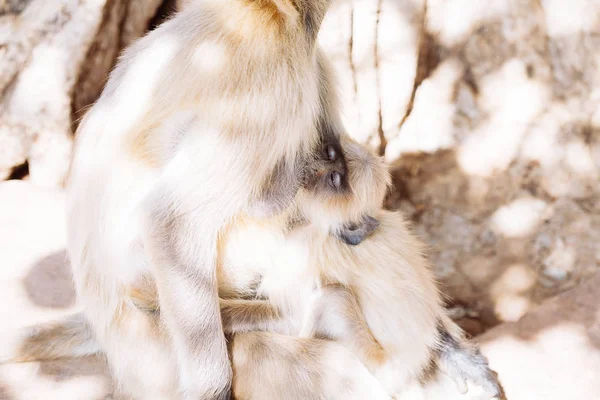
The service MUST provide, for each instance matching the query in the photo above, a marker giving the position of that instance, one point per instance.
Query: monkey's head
(346, 186)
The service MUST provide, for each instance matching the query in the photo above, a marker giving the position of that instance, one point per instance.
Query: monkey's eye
(352, 227)
(335, 179)
(331, 153)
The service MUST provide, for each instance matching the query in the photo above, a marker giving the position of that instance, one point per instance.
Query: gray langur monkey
(209, 117)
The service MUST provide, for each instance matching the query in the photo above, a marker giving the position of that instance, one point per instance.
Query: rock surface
(54, 58)
(498, 159)
(553, 352)
(35, 286)
(373, 45)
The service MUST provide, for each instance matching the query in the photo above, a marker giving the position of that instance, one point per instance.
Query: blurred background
(487, 111)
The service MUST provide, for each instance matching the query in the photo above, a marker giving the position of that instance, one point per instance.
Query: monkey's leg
(336, 315)
(201, 190)
(273, 366)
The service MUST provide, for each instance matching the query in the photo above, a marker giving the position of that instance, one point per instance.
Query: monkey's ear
(353, 234)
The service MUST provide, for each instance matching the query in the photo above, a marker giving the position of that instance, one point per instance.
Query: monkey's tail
(67, 338)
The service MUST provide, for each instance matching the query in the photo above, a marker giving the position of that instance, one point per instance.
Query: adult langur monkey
(208, 117)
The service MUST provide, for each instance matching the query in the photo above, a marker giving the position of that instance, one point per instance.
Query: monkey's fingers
(459, 380)
(461, 384)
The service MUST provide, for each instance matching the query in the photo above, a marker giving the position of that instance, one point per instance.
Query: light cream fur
(192, 122)
(274, 366)
(379, 298)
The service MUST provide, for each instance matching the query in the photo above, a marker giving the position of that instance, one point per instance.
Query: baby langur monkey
(378, 299)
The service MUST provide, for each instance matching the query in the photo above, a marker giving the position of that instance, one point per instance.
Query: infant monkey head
(345, 186)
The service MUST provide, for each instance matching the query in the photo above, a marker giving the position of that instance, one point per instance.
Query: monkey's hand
(482, 385)
(240, 315)
(354, 233)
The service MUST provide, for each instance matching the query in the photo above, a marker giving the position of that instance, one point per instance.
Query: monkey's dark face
(327, 173)
(327, 178)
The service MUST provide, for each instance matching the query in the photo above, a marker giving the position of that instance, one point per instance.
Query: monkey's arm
(184, 218)
(237, 315)
(249, 315)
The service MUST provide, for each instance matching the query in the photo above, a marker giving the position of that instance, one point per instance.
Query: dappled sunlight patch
(567, 150)
(209, 57)
(542, 140)
(558, 184)
(559, 362)
(456, 20)
(144, 77)
(519, 218)
(570, 17)
(40, 88)
(27, 381)
(511, 95)
(511, 307)
(430, 125)
(579, 159)
(512, 101)
(517, 278)
(397, 60)
(510, 292)
(560, 263)
(490, 149)
(364, 70)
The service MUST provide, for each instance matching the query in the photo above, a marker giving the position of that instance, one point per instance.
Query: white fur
(191, 123)
(387, 273)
